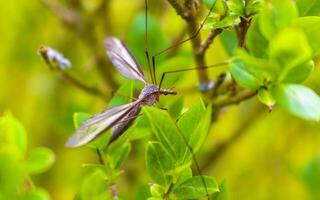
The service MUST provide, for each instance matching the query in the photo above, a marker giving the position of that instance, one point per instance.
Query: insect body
(119, 118)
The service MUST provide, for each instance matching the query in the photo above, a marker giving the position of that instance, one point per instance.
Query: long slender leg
(183, 41)
(191, 69)
(152, 73)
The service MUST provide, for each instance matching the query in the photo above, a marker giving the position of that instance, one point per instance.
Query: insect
(120, 117)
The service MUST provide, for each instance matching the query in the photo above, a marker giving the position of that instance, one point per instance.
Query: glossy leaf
(194, 188)
(299, 73)
(255, 41)
(39, 160)
(120, 154)
(159, 162)
(166, 132)
(194, 124)
(298, 100)
(229, 40)
(245, 76)
(266, 97)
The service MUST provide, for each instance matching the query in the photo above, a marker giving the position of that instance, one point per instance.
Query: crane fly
(120, 117)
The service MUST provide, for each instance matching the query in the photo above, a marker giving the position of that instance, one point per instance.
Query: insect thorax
(149, 95)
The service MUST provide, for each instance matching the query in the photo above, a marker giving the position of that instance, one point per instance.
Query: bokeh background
(271, 155)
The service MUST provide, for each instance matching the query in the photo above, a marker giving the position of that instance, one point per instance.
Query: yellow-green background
(269, 161)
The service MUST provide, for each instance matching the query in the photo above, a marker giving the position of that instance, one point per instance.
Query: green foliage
(16, 167)
(168, 157)
(280, 48)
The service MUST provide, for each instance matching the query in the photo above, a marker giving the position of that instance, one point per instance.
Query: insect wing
(123, 60)
(99, 123)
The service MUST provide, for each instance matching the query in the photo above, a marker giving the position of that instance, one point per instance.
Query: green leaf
(236, 7)
(159, 162)
(79, 118)
(223, 194)
(120, 154)
(311, 27)
(194, 188)
(252, 7)
(11, 176)
(255, 41)
(123, 95)
(290, 48)
(13, 137)
(309, 7)
(40, 160)
(275, 16)
(195, 124)
(299, 73)
(245, 76)
(311, 175)
(94, 187)
(157, 190)
(227, 21)
(229, 40)
(166, 132)
(298, 100)
(266, 98)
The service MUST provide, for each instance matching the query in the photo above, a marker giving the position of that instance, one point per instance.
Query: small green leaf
(195, 124)
(120, 154)
(229, 40)
(255, 41)
(252, 7)
(245, 76)
(39, 160)
(299, 73)
(223, 194)
(194, 188)
(298, 100)
(166, 132)
(157, 190)
(94, 186)
(79, 118)
(159, 162)
(13, 137)
(266, 98)
(236, 7)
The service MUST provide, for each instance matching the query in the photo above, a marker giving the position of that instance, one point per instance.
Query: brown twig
(227, 99)
(242, 29)
(212, 35)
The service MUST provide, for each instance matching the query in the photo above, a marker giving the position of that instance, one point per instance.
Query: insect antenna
(152, 72)
(154, 56)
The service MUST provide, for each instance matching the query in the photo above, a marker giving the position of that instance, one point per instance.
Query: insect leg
(191, 69)
(154, 56)
(152, 73)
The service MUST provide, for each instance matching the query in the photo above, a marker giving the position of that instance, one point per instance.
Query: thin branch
(212, 35)
(227, 99)
(83, 29)
(81, 85)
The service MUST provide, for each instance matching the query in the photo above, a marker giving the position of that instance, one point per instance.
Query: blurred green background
(276, 156)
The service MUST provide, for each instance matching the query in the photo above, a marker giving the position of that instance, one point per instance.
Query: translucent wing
(123, 60)
(99, 123)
